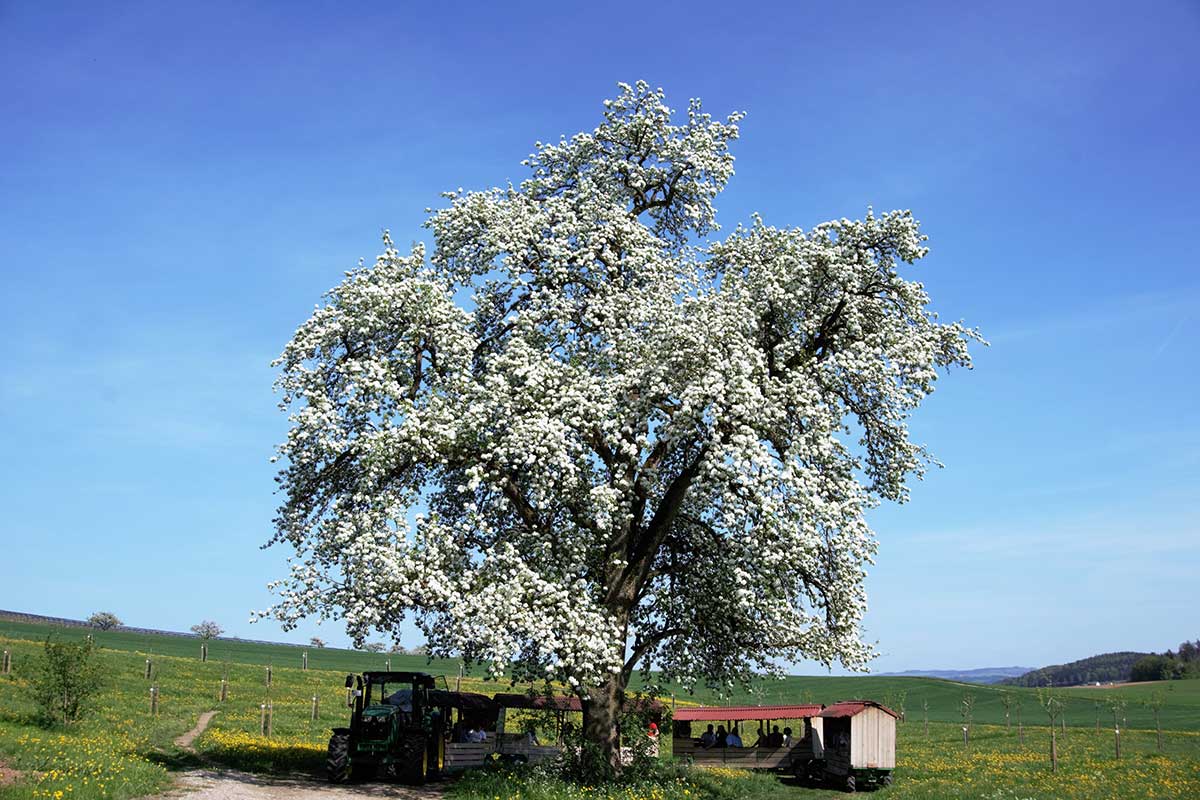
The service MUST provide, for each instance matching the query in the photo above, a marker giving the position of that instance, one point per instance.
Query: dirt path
(8, 775)
(205, 784)
(186, 740)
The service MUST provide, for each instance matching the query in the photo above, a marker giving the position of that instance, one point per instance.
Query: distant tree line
(1105, 668)
(1183, 663)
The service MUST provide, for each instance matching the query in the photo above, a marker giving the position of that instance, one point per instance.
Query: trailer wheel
(850, 784)
(886, 780)
(337, 763)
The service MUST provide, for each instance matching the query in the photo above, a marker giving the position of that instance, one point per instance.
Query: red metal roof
(848, 708)
(719, 713)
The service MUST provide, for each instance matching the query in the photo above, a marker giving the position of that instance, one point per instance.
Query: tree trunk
(601, 714)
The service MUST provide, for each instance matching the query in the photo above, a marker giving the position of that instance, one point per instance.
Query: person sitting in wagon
(708, 738)
(721, 736)
(763, 739)
(776, 738)
(732, 739)
(787, 737)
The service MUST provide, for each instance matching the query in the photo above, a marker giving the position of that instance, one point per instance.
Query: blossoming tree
(585, 435)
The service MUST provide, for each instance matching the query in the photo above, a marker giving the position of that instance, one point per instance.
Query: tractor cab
(395, 730)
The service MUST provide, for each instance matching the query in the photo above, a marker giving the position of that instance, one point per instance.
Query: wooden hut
(690, 722)
(860, 744)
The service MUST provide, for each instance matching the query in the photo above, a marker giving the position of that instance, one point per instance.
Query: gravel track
(210, 784)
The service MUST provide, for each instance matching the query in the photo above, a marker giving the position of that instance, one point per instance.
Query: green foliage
(665, 780)
(1105, 668)
(62, 680)
(1169, 666)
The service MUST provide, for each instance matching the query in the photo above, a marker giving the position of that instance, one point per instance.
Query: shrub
(63, 679)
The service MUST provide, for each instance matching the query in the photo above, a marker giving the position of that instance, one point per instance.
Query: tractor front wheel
(414, 760)
(850, 787)
(337, 764)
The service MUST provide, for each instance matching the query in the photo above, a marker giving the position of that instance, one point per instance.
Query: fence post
(270, 716)
(314, 708)
(7, 662)
(1117, 732)
(153, 701)
(262, 719)
(224, 689)
(387, 665)
(268, 675)
(304, 660)
(148, 666)
(203, 652)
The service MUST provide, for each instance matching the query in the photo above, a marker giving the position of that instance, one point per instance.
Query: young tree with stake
(1155, 703)
(1006, 700)
(1052, 704)
(627, 415)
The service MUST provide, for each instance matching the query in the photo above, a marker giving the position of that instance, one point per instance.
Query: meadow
(122, 751)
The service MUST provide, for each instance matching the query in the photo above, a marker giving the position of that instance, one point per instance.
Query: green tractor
(395, 730)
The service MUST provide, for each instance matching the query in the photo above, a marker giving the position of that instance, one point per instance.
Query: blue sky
(179, 185)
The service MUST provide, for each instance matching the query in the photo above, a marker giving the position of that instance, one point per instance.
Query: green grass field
(121, 751)
(1181, 711)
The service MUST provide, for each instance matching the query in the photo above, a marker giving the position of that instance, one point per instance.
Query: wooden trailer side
(873, 739)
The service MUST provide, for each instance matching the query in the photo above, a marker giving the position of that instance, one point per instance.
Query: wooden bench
(470, 754)
(735, 757)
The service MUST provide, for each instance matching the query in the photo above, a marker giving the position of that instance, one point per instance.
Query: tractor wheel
(414, 760)
(886, 780)
(337, 764)
(850, 784)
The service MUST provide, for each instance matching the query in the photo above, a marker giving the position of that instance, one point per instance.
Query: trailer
(859, 746)
(491, 715)
(691, 722)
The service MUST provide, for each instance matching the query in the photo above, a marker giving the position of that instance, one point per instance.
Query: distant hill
(1104, 668)
(985, 675)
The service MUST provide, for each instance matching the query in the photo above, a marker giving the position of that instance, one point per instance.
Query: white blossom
(634, 443)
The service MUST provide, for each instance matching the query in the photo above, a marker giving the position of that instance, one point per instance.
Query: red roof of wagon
(719, 713)
(848, 708)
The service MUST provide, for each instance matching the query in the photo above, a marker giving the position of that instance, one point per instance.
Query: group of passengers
(731, 738)
(462, 733)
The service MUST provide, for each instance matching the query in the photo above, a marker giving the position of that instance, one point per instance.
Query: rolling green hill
(1180, 712)
(1105, 667)
(233, 650)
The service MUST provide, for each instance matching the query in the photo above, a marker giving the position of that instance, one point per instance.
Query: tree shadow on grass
(279, 761)
(175, 760)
